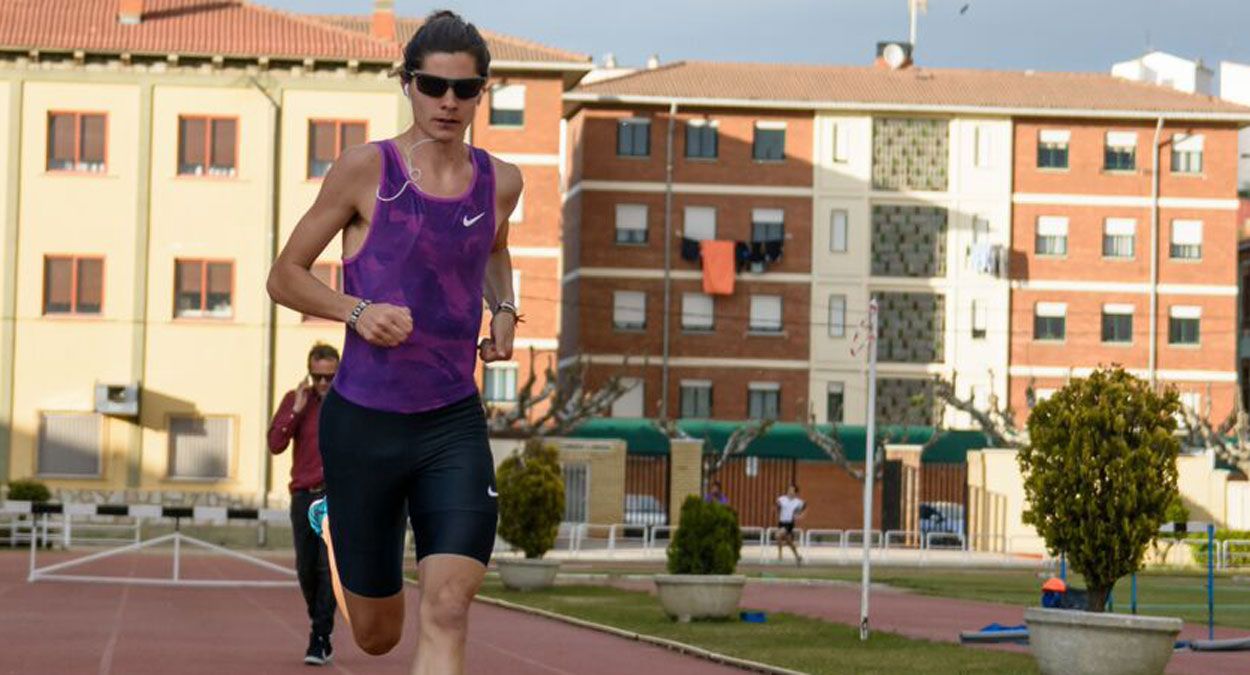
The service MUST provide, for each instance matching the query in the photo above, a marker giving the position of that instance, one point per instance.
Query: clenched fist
(384, 325)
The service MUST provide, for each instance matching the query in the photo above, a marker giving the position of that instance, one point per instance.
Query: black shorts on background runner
(436, 463)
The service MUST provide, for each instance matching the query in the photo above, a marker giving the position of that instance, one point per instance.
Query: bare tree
(738, 442)
(570, 402)
(888, 433)
(1229, 439)
(997, 421)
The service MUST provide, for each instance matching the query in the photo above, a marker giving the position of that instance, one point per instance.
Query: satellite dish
(895, 56)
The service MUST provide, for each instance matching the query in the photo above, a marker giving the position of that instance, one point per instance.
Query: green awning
(785, 440)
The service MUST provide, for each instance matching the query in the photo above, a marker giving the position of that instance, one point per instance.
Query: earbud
(405, 89)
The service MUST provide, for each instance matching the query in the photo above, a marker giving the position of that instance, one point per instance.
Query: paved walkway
(71, 627)
(941, 619)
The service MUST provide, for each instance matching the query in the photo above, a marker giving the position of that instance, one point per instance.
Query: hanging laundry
(742, 255)
(757, 252)
(718, 267)
(689, 249)
(772, 250)
(982, 258)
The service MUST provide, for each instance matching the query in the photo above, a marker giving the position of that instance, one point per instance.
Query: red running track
(66, 628)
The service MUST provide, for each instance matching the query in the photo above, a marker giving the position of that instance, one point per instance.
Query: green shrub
(708, 541)
(28, 490)
(1177, 511)
(1100, 474)
(531, 498)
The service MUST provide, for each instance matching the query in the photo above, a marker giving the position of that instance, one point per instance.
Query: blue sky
(1086, 35)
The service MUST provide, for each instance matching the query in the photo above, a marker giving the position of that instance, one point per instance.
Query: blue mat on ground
(1226, 645)
(996, 633)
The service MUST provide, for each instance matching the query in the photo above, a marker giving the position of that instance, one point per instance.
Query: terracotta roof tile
(502, 47)
(225, 27)
(874, 86)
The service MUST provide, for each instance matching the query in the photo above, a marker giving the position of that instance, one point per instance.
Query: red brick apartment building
(1005, 221)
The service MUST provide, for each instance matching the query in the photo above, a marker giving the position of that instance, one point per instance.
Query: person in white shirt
(790, 508)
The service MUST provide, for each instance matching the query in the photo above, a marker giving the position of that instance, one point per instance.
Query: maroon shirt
(302, 426)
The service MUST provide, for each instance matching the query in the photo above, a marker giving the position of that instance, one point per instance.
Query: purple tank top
(429, 254)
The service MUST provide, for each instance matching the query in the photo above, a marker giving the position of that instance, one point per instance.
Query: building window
(1052, 235)
(629, 310)
(199, 448)
(978, 320)
(507, 105)
(1117, 324)
(1183, 325)
(1049, 321)
(839, 221)
(700, 223)
(1118, 235)
(69, 445)
(837, 316)
(697, 312)
(631, 403)
(1187, 153)
(500, 383)
(766, 313)
(701, 139)
(763, 400)
(203, 289)
(1186, 240)
(1052, 149)
(770, 141)
(633, 137)
(207, 146)
(983, 144)
(76, 142)
(73, 285)
(696, 399)
(835, 403)
(841, 143)
(768, 225)
(327, 139)
(631, 223)
(330, 274)
(1120, 153)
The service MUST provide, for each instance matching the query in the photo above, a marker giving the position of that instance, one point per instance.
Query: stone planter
(527, 574)
(1089, 643)
(699, 596)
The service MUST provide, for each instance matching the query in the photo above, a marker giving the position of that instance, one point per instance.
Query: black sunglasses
(435, 86)
(319, 377)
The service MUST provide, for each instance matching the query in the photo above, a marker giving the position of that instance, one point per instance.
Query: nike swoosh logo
(491, 491)
(468, 222)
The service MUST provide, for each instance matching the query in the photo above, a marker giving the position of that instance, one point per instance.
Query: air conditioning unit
(118, 400)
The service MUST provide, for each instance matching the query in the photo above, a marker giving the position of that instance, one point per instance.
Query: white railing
(835, 538)
(656, 530)
(906, 539)
(1230, 558)
(856, 538)
(929, 538)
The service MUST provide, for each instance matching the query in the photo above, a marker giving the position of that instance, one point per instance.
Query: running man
(424, 219)
(789, 509)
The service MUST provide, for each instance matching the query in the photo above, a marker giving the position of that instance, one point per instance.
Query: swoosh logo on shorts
(468, 222)
(491, 491)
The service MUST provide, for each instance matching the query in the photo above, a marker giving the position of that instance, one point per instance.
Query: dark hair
(322, 352)
(444, 32)
(795, 486)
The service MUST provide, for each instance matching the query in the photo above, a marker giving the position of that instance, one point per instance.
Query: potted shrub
(1099, 476)
(702, 556)
(531, 506)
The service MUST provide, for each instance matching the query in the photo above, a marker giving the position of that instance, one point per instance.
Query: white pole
(911, 9)
(870, 470)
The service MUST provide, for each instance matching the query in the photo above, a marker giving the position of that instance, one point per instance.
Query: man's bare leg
(448, 584)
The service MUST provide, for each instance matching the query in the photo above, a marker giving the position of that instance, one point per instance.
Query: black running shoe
(319, 650)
